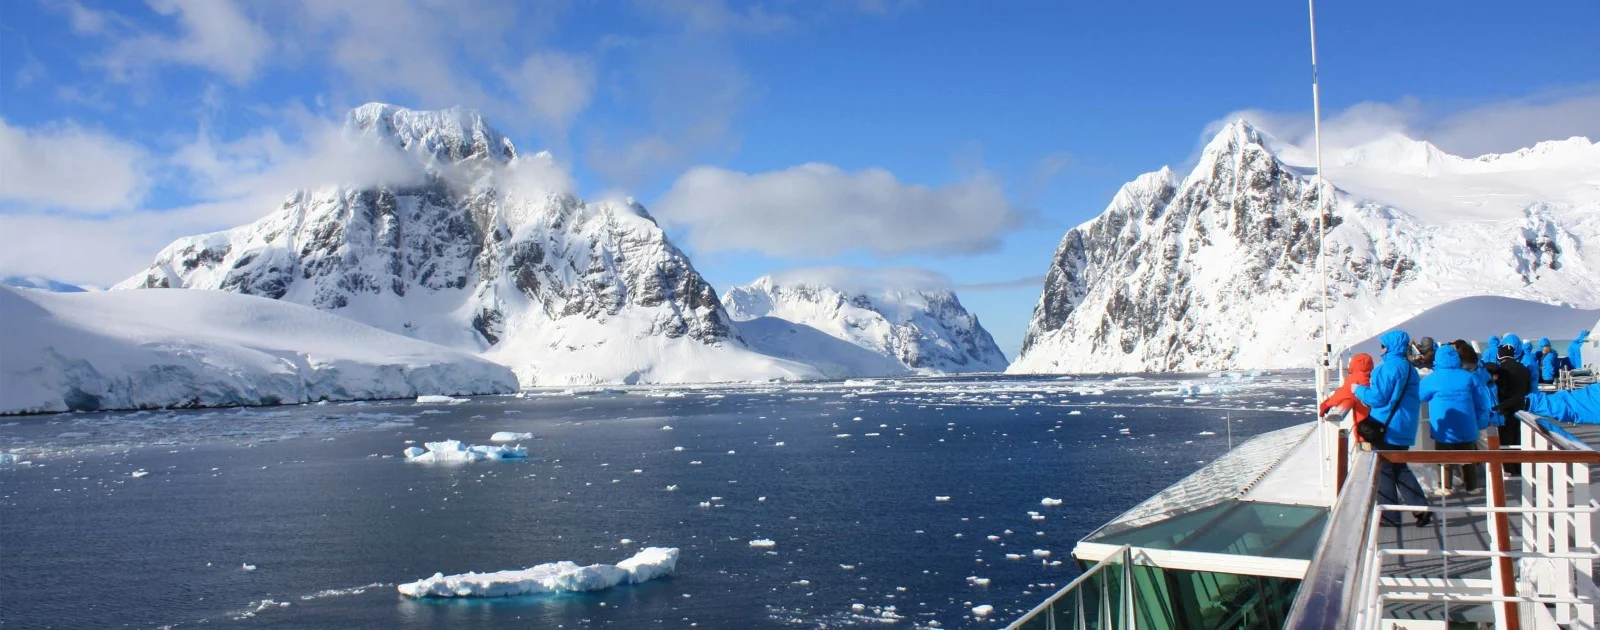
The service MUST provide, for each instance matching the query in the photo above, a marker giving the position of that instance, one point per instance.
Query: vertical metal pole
(1322, 235)
(1081, 623)
(1127, 591)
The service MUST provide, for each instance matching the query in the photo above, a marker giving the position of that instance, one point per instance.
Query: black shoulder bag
(1374, 432)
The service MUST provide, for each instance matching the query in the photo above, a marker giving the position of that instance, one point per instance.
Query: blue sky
(961, 137)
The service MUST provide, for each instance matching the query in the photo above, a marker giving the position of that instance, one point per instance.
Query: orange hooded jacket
(1360, 374)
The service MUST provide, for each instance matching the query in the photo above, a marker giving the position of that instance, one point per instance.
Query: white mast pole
(1325, 356)
(1322, 263)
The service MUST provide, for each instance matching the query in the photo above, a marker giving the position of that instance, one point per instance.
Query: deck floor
(1460, 532)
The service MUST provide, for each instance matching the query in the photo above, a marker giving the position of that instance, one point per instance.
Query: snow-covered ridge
(1218, 270)
(146, 349)
(446, 135)
(905, 324)
(562, 290)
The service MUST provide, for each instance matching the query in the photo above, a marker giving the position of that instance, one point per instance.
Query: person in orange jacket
(1344, 399)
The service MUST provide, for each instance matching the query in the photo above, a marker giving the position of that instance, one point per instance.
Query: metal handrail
(1331, 583)
(1326, 591)
(1125, 553)
(1553, 432)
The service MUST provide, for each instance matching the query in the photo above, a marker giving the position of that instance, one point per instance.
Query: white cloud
(264, 163)
(1485, 127)
(554, 87)
(692, 92)
(1026, 282)
(820, 210)
(108, 249)
(715, 16)
(65, 167)
(214, 34)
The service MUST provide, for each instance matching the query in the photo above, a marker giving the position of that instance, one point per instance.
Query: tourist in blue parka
(1530, 359)
(1393, 400)
(1575, 350)
(1547, 361)
(1459, 407)
(1573, 405)
(1492, 350)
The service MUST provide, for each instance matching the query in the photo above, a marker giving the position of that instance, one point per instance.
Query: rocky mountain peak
(447, 135)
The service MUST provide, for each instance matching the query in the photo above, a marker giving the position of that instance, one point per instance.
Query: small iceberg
(1049, 502)
(763, 543)
(430, 399)
(510, 436)
(456, 451)
(555, 577)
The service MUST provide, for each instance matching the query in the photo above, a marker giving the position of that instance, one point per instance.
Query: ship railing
(1102, 598)
(1541, 549)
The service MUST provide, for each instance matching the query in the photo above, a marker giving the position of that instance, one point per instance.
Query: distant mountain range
(467, 248)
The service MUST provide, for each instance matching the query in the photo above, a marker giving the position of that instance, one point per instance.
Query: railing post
(1583, 537)
(1127, 590)
(1505, 578)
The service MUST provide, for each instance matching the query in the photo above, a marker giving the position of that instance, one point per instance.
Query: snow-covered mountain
(1218, 269)
(40, 283)
(863, 323)
(475, 247)
(142, 349)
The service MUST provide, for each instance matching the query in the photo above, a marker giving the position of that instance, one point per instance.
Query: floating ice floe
(430, 399)
(247, 566)
(941, 499)
(1041, 553)
(650, 563)
(763, 543)
(1074, 412)
(456, 451)
(1049, 502)
(982, 611)
(140, 473)
(1206, 433)
(510, 436)
(978, 581)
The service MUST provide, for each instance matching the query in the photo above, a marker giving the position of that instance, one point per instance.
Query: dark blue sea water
(319, 500)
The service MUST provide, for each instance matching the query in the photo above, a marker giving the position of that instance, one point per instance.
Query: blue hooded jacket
(1511, 339)
(1393, 392)
(1458, 403)
(1547, 360)
(1575, 350)
(1573, 405)
(1530, 358)
(1491, 353)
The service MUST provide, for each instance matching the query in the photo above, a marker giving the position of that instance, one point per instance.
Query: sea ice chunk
(456, 451)
(982, 611)
(650, 563)
(429, 399)
(510, 436)
(1049, 502)
(763, 543)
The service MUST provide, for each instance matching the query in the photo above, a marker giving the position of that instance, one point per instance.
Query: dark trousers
(1511, 436)
(1397, 485)
(1469, 472)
